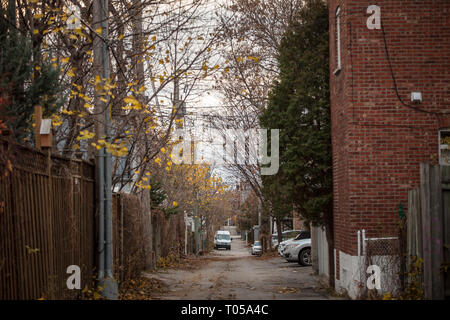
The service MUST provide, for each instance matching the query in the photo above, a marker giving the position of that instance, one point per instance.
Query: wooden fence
(128, 237)
(47, 223)
(428, 228)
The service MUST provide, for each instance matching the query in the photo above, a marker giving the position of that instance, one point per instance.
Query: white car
(222, 239)
(300, 251)
(300, 235)
(257, 248)
(286, 235)
(282, 245)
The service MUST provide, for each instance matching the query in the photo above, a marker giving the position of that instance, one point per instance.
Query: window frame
(338, 41)
(447, 131)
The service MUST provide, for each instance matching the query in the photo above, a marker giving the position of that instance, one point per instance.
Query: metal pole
(364, 242)
(358, 234)
(97, 7)
(197, 225)
(108, 194)
(101, 215)
(110, 288)
(185, 232)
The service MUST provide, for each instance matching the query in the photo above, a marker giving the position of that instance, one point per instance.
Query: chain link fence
(387, 253)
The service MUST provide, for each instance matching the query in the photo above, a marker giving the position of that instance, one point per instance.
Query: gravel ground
(236, 274)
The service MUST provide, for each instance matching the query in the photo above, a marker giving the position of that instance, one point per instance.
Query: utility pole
(197, 225)
(101, 59)
(185, 232)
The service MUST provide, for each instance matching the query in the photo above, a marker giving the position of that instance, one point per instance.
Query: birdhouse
(46, 133)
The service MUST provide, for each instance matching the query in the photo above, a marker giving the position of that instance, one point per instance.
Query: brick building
(379, 56)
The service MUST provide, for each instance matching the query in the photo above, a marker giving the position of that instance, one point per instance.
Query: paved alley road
(236, 274)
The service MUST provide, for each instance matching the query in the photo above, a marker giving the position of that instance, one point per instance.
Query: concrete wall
(320, 251)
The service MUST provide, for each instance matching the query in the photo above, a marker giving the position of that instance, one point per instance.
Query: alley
(236, 274)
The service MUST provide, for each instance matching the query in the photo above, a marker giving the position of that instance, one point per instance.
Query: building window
(444, 147)
(338, 41)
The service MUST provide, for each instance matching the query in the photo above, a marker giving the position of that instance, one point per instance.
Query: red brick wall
(378, 143)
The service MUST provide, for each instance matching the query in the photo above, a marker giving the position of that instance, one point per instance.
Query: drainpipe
(108, 193)
(359, 245)
(364, 242)
(101, 215)
(109, 285)
(358, 234)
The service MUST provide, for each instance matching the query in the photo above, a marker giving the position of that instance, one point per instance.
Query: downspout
(359, 245)
(358, 234)
(108, 182)
(364, 243)
(101, 214)
(109, 285)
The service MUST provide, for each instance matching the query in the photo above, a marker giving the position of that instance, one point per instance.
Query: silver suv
(299, 249)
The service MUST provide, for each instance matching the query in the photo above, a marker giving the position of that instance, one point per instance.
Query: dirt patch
(269, 255)
(185, 263)
(142, 288)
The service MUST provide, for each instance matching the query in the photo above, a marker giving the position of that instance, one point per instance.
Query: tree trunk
(279, 232)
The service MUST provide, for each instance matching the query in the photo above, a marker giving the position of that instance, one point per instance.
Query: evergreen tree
(25, 80)
(299, 105)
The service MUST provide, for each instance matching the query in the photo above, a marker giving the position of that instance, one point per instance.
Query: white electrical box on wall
(416, 96)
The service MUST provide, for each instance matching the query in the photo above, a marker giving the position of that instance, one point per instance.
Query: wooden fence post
(426, 227)
(446, 223)
(432, 213)
(437, 236)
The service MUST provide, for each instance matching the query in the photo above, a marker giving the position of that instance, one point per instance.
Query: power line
(395, 80)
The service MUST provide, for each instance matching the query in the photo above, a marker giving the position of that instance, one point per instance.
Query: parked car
(282, 245)
(222, 239)
(299, 250)
(286, 235)
(302, 235)
(256, 248)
